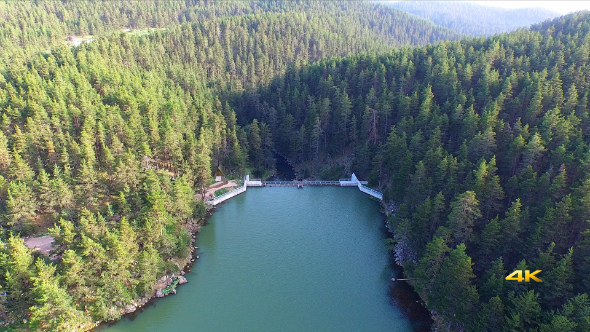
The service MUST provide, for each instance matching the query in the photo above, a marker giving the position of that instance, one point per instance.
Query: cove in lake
(284, 259)
(284, 171)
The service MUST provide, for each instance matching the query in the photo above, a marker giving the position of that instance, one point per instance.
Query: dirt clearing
(43, 243)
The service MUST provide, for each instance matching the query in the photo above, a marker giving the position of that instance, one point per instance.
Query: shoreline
(402, 293)
(139, 305)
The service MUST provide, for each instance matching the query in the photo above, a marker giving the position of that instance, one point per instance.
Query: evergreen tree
(5, 157)
(464, 210)
(429, 265)
(453, 295)
(54, 309)
(21, 206)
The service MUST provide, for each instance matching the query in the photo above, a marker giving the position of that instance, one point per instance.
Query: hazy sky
(562, 7)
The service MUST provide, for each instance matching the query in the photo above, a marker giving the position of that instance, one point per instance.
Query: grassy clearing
(221, 191)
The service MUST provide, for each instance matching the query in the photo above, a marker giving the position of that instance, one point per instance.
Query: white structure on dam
(352, 182)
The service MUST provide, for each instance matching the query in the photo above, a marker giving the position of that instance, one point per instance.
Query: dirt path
(214, 187)
(43, 243)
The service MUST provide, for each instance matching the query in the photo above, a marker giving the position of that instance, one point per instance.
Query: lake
(284, 259)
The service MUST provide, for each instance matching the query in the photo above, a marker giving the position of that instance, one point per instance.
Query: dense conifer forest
(107, 145)
(480, 145)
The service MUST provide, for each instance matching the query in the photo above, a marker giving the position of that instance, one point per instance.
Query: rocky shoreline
(185, 264)
(404, 293)
(167, 280)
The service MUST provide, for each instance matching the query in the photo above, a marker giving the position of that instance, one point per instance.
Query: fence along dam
(352, 182)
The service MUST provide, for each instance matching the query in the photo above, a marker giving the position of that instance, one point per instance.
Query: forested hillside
(482, 149)
(28, 26)
(105, 145)
(473, 19)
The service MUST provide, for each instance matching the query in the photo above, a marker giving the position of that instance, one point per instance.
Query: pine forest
(481, 146)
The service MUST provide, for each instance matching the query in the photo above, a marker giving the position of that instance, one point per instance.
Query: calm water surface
(284, 259)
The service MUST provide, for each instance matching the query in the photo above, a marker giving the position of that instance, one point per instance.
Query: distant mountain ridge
(473, 19)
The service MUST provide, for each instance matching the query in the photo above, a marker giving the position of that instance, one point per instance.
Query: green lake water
(284, 259)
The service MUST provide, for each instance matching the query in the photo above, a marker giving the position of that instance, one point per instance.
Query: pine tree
(488, 189)
(5, 157)
(86, 183)
(511, 226)
(18, 270)
(44, 190)
(429, 265)
(184, 199)
(577, 310)
(559, 282)
(72, 270)
(202, 163)
(494, 280)
(148, 267)
(453, 295)
(524, 311)
(464, 211)
(62, 193)
(559, 323)
(19, 169)
(122, 204)
(255, 144)
(532, 151)
(490, 240)
(54, 309)
(64, 233)
(21, 206)
(491, 316)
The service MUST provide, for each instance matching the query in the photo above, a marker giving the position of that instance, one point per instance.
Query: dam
(352, 182)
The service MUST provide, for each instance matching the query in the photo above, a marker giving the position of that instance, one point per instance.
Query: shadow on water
(403, 296)
(284, 171)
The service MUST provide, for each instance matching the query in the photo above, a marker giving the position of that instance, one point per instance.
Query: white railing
(347, 183)
(370, 191)
(229, 194)
(353, 181)
(254, 183)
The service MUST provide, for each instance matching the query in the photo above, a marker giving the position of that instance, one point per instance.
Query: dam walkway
(352, 182)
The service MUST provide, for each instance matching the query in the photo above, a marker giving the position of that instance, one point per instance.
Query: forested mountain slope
(107, 143)
(482, 148)
(473, 19)
(29, 26)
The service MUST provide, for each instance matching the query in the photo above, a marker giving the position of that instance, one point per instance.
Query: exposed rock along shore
(193, 228)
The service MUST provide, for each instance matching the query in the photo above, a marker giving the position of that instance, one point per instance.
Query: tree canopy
(480, 145)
